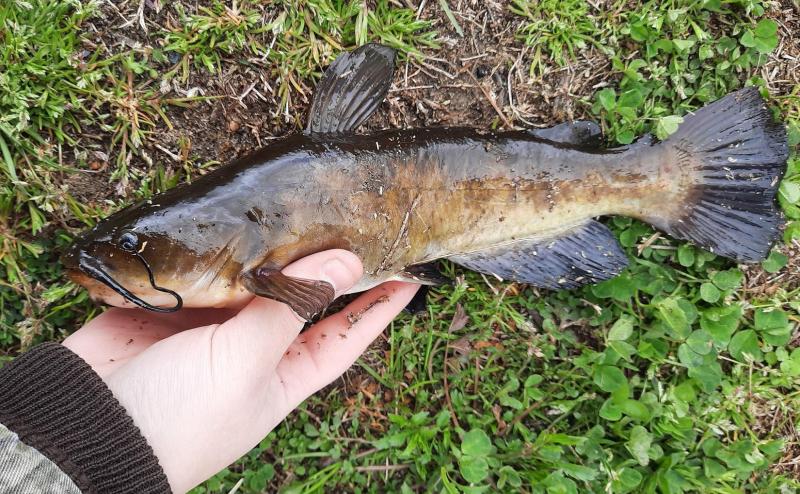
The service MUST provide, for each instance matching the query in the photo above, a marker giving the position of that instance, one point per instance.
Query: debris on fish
(519, 205)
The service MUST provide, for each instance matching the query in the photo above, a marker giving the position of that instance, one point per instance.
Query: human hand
(204, 386)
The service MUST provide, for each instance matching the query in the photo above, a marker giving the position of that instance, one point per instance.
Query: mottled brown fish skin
(395, 198)
(417, 200)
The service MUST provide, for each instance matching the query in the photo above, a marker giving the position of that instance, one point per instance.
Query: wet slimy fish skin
(519, 205)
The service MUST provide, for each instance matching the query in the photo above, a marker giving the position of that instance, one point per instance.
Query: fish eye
(128, 241)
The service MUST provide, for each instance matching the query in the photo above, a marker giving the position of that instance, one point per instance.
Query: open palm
(206, 385)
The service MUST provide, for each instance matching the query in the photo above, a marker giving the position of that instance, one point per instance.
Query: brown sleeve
(56, 403)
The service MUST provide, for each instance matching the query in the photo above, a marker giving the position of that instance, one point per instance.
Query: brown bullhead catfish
(519, 205)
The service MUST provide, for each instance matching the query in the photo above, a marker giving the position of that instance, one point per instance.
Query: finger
(120, 334)
(264, 328)
(322, 354)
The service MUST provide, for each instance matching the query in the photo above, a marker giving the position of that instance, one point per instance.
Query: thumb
(329, 347)
(265, 328)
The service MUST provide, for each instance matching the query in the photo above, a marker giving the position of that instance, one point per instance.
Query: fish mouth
(94, 269)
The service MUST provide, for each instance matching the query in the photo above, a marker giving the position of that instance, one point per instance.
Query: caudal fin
(739, 155)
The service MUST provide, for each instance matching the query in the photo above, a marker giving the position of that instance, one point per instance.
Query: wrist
(57, 404)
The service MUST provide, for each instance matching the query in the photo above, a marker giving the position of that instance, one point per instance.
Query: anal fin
(586, 254)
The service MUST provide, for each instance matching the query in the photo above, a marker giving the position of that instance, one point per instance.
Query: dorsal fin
(351, 90)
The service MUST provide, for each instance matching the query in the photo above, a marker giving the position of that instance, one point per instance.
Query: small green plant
(134, 110)
(676, 64)
(309, 34)
(296, 36)
(214, 31)
(42, 67)
(556, 30)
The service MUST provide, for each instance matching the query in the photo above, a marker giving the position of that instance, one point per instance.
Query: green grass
(669, 378)
(310, 33)
(39, 75)
(297, 37)
(53, 89)
(42, 70)
(556, 30)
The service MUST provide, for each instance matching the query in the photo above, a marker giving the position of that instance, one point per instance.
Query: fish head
(120, 265)
(156, 261)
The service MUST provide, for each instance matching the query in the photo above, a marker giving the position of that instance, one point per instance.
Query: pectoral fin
(351, 90)
(424, 274)
(587, 254)
(306, 297)
(578, 133)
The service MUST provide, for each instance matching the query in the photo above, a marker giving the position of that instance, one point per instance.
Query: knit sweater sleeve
(54, 402)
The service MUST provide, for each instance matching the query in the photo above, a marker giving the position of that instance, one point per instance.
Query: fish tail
(736, 155)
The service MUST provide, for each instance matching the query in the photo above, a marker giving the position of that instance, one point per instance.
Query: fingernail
(339, 274)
